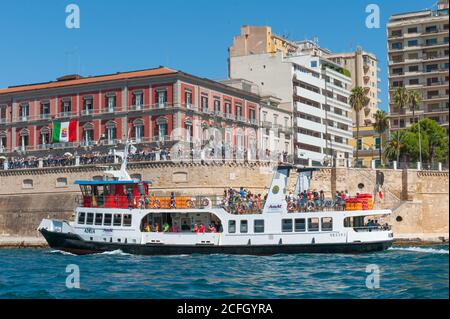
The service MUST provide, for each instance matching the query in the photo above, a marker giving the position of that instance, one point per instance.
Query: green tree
(435, 146)
(358, 99)
(401, 99)
(393, 146)
(381, 125)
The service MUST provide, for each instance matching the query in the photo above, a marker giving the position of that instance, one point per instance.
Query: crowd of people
(142, 155)
(213, 227)
(242, 201)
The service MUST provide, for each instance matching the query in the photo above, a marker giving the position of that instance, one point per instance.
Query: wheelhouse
(112, 194)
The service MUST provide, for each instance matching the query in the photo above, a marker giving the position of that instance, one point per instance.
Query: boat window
(117, 220)
(127, 220)
(259, 226)
(231, 226)
(81, 217)
(300, 225)
(244, 226)
(90, 218)
(313, 224)
(98, 219)
(327, 224)
(107, 220)
(141, 189)
(286, 225)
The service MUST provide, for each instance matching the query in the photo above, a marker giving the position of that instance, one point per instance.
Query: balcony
(253, 121)
(45, 116)
(161, 105)
(88, 143)
(87, 112)
(241, 118)
(435, 97)
(65, 114)
(138, 107)
(43, 146)
(4, 120)
(266, 124)
(218, 113)
(229, 116)
(160, 139)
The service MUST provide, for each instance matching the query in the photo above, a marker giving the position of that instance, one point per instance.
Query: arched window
(45, 135)
(88, 134)
(2, 141)
(162, 129)
(110, 132)
(24, 138)
(138, 125)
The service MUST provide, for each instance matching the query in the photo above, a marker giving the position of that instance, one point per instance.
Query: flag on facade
(64, 131)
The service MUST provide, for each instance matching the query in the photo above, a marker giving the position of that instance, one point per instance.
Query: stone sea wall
(419, 199)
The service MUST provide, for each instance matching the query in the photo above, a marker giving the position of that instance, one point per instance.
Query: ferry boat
(121, 214)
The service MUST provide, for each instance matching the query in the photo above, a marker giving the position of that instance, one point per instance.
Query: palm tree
(401, 99)
(393, 146)
(415, 99)
(358, 99)
(381, 125)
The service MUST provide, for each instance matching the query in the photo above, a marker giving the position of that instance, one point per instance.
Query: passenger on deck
(146, 228)
(185, 226)
(156, 228)
(201, 229)
(172, 200)
(212, 229)
(195, 229)
(165, 228)
(174, 228)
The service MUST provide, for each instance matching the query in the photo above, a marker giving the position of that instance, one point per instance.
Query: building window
(188, 98)
(45, 136)
(138, 100)
(61, 182)
(431, 29)
(204, 104)
(24, 111)
(162, 129)
(88, 107)
(161, 97)
(413, 43)
(414, 82)
(66, 107)
(45, 110)
(88, 134)
(111, 103)
(27, 183)
(430, 42)
(412, 30)
(377, 143)
(24, 139)
(110, 132)
(314, 64)
(286, 225)
(259, 226)
(227, 108)
(216, 106)
(413, 68)
(359, 144)
(397, 46)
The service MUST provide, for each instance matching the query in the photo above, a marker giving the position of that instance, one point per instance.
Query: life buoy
(310, 205)
(206, 202)
(156, 204)
(291, 207)
(190, 203)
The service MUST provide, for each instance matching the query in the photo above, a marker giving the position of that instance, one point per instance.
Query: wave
(420, 250)
(118, 252)
(62, 252)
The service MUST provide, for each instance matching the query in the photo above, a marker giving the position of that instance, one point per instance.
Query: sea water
(403, 272)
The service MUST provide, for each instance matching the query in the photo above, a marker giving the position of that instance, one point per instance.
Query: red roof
(88, 80)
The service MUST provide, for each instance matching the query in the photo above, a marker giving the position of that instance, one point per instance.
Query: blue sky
(193, 36)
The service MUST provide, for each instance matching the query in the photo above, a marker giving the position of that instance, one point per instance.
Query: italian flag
(64, 131)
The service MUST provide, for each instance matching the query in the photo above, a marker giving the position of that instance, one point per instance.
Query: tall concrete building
(312, 87)
(419, 59)
(363, 67)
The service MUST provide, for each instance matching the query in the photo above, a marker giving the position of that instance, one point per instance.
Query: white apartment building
(316, 91)
(275, 134)
(419, 60)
